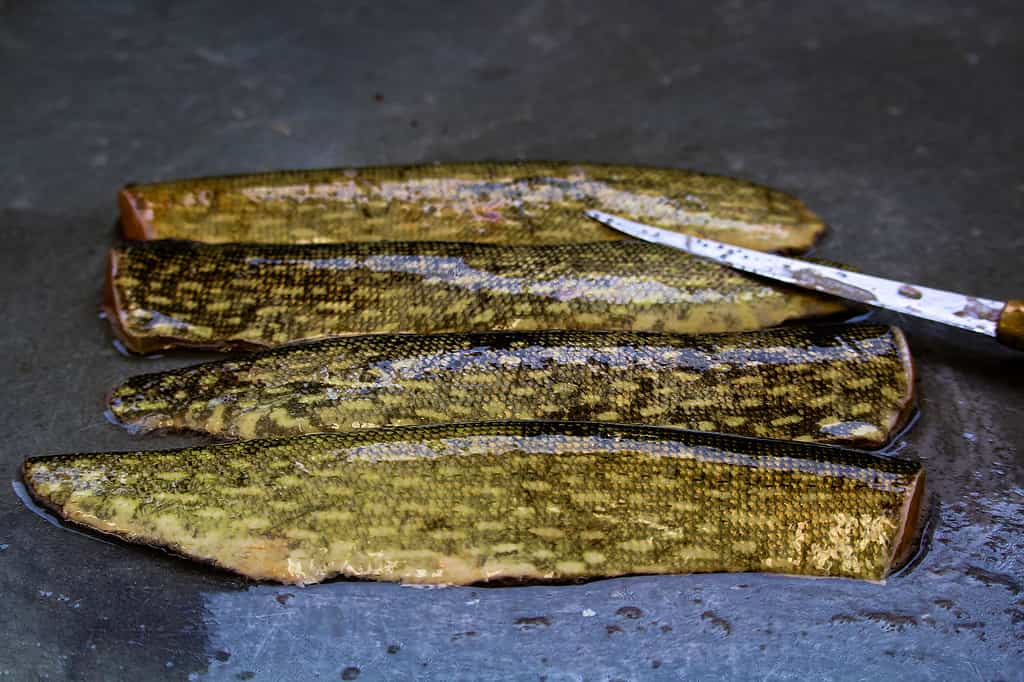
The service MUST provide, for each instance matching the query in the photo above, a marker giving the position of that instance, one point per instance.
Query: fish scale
(265, 295)
(513, 203)
(464, 503)
(849, 384)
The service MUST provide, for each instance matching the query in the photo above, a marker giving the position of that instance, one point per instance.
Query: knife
(1003, 320)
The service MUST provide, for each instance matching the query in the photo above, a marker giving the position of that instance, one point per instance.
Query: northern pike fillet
(466, 503)
(164, 293)
(511, 203)
(848, 384)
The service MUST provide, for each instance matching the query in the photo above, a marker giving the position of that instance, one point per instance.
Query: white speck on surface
(472, 602)
(211, 56)
(589, 613)
(281, 127)
(971, 436)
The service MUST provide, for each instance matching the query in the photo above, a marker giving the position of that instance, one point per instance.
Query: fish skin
(513, 203)
(841, 384)
(163, 294)
(466, 503)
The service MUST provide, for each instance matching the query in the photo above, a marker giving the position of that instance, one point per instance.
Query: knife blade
(1003, 320)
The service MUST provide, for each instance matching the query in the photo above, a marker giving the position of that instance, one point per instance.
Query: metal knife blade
(980, 315)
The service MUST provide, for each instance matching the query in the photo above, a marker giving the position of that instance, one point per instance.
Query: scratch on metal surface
(831, 286)
(977, 310)
(909, 291)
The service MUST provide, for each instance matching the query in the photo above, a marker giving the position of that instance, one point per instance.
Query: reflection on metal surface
(26, 499)
(956, 614)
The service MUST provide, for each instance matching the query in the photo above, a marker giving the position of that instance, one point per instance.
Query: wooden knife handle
(1010, 330)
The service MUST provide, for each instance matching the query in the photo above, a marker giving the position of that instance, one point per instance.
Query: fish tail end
(136, 216)
(908, 532)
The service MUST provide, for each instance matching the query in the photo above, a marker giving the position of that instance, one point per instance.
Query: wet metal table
(899, 122)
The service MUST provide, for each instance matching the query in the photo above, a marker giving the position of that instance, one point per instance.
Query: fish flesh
(530, 501)
(510, 203)
(844, 384)
(168, 293)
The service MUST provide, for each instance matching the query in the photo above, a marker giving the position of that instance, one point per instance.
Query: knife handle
(1010, 329)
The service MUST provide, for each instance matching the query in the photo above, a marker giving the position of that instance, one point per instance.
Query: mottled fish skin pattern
(170, 293)
(843, 384)
(509, 203)
(459, 504)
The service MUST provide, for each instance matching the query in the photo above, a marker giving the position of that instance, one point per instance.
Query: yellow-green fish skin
(173, 293)
(842, 384)
(510, 203)
(465, 503)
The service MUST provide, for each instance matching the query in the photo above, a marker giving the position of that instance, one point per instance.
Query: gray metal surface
(900, 122)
